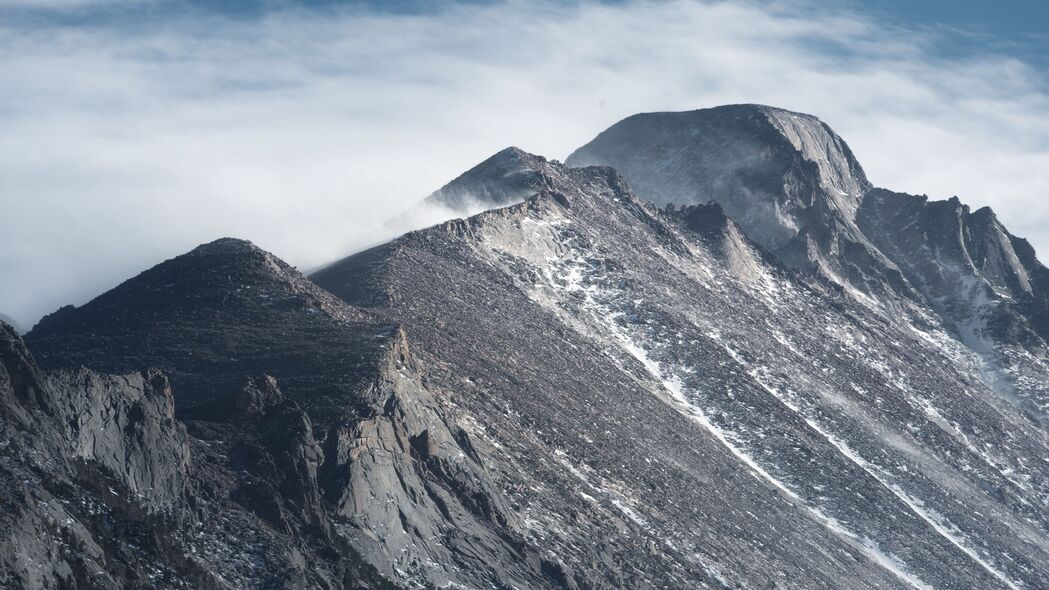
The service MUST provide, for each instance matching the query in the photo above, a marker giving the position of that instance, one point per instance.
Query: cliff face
(83, 452)
(986, 284)
(965, 261)
(770, 168)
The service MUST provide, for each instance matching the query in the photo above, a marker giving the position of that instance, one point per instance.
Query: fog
(126, 143)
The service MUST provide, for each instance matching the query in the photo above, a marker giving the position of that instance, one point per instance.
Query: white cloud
(124, 144)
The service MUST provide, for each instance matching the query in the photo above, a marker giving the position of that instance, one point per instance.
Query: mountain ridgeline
(706, 352)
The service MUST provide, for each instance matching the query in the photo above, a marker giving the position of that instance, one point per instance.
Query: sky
(134, 130)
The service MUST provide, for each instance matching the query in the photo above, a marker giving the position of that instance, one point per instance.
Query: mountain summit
(795, 188)
(632, 369)
(510, 176)
(791, 183)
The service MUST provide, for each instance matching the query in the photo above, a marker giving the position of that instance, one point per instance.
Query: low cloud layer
(130, 141)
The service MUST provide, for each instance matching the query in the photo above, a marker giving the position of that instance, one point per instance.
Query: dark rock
(11, 322)
(329, 463)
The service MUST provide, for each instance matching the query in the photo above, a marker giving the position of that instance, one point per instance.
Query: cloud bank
(130, 140)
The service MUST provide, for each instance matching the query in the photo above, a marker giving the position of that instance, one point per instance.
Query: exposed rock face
(352, 453)
(967, 262)
(768, 167)
(14, 325)
(795, 188)
(81, 452)
(986, 284)
(790, 182)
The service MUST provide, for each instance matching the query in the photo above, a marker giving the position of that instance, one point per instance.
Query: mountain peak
(225, 269)
(744, 156)
(226, 246)
(509, 176)
(786, 178)
(206, 307)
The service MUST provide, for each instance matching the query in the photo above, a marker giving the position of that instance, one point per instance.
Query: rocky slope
(352, 462)
(795, 187)
(10, 322)
(80, 452)
(986, 284)
(508, 177)
(658, 392)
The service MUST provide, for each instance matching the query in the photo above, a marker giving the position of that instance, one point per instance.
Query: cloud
(130, 140)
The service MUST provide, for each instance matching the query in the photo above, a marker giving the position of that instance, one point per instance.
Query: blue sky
(1015, 25)
(1020, 27)
(136, 129)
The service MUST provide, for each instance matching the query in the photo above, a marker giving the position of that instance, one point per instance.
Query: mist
(129, 142)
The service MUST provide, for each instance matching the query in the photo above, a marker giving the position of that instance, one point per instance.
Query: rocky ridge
(352, 457)
(796, 188)
(618, 324)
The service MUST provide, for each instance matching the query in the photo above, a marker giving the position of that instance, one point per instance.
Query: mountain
(510, 176)
(306, 417)
(791, 183)
(208, 318)
(985, 283)
(575, 388)
(633, 371)
(796, 188)
(83, 452)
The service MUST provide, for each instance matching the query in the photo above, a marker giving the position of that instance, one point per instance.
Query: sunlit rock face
(795, 188)
(776, 172)
(789, 181)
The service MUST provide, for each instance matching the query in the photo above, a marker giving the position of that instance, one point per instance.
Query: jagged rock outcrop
(986, 284)
(82, 452)
(966, 262)
(723, 238)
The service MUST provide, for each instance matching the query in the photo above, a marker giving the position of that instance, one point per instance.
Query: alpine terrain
(705, 352)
